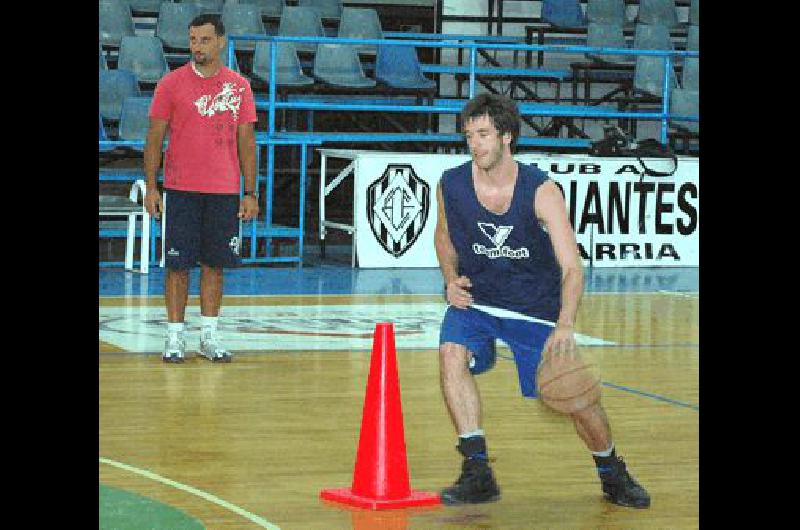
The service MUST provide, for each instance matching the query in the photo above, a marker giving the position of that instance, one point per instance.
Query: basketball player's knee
(453, 357)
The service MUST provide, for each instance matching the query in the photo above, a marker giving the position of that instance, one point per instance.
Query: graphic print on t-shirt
(498, 235)
(227, 100)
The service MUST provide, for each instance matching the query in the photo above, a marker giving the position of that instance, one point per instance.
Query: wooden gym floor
(251, 444)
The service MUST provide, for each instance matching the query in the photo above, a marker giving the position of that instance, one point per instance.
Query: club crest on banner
(397, 208)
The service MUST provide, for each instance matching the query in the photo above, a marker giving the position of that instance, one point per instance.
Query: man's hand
(248, 208)
(152, 202)
(458, 292)
(561, 341)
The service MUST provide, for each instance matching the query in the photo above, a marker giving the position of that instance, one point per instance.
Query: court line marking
(654, 396)
(634, 391)
(194, 491)
(398, 349)
(694, 295)
(156, 298)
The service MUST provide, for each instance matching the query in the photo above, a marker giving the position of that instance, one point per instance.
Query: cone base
(346, 496)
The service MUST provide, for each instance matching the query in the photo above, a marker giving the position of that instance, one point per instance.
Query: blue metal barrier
(266, 229)
(256, 229)
(483, 43)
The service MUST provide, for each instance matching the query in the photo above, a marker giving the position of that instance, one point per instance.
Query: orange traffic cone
(380, 477)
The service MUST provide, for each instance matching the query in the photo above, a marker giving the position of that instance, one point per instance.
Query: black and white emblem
(397, 208)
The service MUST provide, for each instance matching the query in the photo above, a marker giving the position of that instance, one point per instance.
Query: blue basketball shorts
(478, 331)
(201, 228)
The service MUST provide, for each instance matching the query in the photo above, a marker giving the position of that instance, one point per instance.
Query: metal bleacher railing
(454, 106)
(264, 228)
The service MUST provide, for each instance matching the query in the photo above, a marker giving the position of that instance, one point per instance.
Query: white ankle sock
(476, 432)
(604, 453)
(208, 325)
(175, 329)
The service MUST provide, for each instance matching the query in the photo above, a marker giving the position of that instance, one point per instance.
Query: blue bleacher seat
(103, 135)
(269, 8)
(146, 6)
(563, 13)
(240, 20)
(685, 102)
(172, 26)
(398, 67)
(206, 6)
(361, 23)
(693, 38)
(661, 12)
(648, 73)
(103, 63)
(694, 13)
(607, 35)
(144, 56)
(299, 21)
(134, 120)
(606, 11)
(116, 21)
(327, 9)
(339, 65)
(287, 70)
(114, 87)
(690, 77)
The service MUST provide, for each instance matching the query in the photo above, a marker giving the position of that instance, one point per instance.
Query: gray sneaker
(174, 350)
(210, 349)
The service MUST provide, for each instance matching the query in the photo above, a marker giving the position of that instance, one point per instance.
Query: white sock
(476, 432)
(605, 453)
(174, 329)
(208, 325)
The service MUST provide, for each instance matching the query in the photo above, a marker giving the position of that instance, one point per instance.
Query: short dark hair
(501, 110)
(207, 18)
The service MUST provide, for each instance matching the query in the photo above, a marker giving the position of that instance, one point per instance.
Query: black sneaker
(620, 487)
(476, 484)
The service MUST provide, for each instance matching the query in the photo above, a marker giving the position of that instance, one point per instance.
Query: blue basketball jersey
(509, 258)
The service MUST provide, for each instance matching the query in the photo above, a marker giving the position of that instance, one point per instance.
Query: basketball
(567, 383)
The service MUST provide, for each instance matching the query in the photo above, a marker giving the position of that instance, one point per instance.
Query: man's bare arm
(457, 287)
(153, 145)
(247, 154)
(552, 213)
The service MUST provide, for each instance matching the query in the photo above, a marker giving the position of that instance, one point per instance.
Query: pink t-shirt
(203, 114)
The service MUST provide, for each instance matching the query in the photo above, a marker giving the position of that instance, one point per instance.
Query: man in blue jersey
(512, 271)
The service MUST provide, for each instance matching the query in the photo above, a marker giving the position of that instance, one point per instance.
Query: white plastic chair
(115, 206)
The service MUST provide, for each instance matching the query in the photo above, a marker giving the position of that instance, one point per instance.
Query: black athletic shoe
(620, 487)
(476, 484)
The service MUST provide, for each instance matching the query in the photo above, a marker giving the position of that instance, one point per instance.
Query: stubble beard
(493, 161)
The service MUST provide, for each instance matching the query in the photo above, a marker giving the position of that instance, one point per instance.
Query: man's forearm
(448, 259)
(247, 155)
(152, 161)
(571, 293)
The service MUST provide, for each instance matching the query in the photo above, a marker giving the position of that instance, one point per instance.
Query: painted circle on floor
(123, 510)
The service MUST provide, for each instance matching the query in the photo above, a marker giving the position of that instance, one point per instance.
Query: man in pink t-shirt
(209, 112)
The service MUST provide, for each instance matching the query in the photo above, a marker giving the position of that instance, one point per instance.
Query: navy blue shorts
(201, 228)
(478, 330)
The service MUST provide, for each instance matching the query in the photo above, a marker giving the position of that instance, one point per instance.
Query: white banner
(620, 219)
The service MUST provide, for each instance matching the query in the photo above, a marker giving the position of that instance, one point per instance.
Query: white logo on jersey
(226, 100)
(498, 235)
